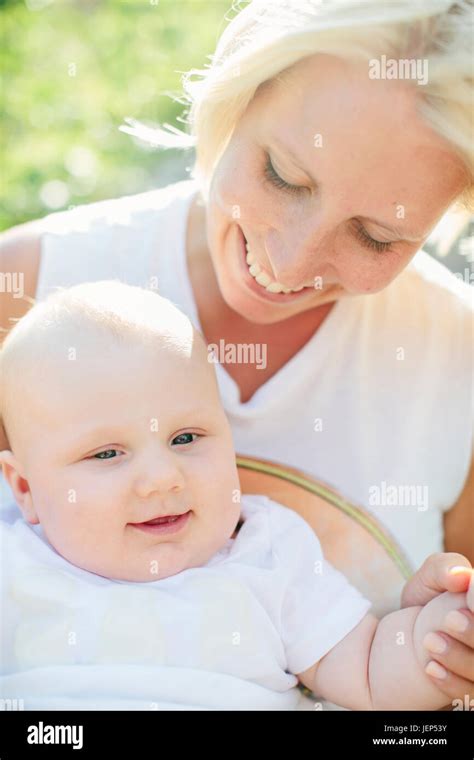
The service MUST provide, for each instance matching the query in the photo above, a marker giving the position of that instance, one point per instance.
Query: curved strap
(359, 515)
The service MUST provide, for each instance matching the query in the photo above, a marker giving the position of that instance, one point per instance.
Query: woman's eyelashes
(361, 233)
(369, 242)
(274, 178)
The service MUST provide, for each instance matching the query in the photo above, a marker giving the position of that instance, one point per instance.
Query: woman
(317, 179)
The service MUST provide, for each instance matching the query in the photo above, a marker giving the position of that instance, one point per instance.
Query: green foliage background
(63, 129)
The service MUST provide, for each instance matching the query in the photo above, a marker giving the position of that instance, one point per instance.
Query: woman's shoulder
(426, 300)
(128, 238)
(434, 288)
(438, 283)
(123, 211)
(41, 249)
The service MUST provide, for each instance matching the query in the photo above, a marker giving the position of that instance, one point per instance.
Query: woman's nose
(158, 472)
(299, 255)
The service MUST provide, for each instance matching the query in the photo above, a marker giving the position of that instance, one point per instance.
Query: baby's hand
(445, 571)
(452, 670)
(444, 642)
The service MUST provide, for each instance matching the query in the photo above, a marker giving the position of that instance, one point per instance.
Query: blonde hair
(108, 309)
(267, 38)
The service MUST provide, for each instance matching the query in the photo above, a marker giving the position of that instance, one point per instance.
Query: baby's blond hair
(110, 310)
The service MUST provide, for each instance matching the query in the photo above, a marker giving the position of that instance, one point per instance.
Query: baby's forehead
(84, 358)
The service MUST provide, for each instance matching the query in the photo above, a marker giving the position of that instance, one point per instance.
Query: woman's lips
(163, 525)
(257, 289)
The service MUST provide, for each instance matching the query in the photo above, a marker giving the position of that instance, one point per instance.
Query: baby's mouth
(162, 520)
(164, 524)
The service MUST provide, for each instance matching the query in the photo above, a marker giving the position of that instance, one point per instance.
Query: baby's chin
(138, 564)
(151, 570)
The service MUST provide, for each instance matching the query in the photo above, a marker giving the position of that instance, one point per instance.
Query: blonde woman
(331, 137)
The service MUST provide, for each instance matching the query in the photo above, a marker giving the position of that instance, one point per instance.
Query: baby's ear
(12, 472)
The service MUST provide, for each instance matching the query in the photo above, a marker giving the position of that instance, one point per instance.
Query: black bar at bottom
(319, 734)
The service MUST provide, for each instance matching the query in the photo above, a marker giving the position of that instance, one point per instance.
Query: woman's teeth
(263, 279)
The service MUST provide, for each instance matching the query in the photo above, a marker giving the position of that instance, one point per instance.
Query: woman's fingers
(453, 686)
(440, 572)
(455, 657)
(459, 624)
(452, 653)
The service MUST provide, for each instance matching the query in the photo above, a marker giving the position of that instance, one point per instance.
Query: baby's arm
(380, 664)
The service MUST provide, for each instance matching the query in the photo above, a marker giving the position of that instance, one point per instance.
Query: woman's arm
(459, 521)
(20, 250)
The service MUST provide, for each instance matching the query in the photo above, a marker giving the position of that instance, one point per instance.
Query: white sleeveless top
(377, 404)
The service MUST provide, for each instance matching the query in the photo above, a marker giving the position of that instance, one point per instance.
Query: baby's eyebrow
(94, 437)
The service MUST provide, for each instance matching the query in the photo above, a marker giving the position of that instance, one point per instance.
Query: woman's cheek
(236, 185)
(368, 276)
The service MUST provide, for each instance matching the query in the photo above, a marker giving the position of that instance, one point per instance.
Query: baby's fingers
(440, 572)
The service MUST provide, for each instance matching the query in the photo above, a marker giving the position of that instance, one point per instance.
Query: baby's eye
(184, 438)
(107, 454)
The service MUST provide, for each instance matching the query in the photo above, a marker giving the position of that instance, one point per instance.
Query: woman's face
(333, 181)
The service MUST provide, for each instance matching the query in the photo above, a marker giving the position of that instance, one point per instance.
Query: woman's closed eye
(274, 178)
(361, 233)
(370, 242)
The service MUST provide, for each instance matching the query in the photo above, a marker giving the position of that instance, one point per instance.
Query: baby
(139, 578)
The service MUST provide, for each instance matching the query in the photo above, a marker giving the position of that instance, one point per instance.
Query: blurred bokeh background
(72, 70)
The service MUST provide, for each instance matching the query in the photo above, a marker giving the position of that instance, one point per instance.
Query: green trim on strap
(354, 512)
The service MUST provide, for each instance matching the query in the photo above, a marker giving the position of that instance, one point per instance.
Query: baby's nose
(159, 474)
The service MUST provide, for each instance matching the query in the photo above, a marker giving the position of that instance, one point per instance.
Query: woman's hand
(452, 648)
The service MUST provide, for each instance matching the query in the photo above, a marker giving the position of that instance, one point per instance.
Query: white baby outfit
(228, 635)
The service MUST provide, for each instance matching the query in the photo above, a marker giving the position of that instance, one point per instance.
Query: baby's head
(113, 417)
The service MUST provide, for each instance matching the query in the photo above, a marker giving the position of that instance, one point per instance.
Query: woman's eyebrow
(395, 232)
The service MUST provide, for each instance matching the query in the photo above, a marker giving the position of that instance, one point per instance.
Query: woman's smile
(260, 282)
(266, 288)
